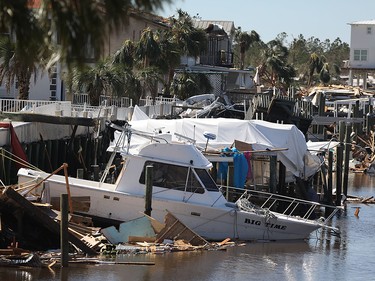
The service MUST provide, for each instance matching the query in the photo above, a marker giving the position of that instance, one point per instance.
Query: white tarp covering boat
(260, 134)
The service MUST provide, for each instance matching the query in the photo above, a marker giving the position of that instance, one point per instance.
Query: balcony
(220, 58)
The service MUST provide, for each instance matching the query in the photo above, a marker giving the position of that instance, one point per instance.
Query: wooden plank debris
(366, 200)
(13, 199)
(175, 230)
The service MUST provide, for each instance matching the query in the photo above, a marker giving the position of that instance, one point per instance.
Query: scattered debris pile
(363, 152)
(29, 230)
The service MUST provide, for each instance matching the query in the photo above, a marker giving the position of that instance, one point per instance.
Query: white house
(362, 52)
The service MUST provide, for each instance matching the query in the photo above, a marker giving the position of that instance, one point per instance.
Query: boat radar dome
(208, 136)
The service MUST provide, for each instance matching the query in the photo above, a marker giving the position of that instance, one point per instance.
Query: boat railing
(288, 206)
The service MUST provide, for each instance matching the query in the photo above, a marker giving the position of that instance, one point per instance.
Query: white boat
(183, 186)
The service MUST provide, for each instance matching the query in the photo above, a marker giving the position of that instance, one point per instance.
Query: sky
(322, 19)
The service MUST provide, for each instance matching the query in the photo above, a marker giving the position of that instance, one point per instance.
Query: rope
(16, 159)
(245, 205)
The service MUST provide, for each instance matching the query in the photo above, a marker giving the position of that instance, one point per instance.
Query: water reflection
(361, 183)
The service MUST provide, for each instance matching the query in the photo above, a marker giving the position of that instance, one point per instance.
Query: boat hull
(212, 223)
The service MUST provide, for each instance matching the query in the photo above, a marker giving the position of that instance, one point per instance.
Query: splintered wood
(176, 230)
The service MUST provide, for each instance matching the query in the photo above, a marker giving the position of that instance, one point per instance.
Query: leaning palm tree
(324, 74)
(245, 40)
(274, 68)
(181, 39)
(190, 40)
(169, 59)
(125, 55)
(315, 64)
(148, 49)
(147, 54)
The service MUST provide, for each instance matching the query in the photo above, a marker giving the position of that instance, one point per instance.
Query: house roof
(364, 22)
(228, 26)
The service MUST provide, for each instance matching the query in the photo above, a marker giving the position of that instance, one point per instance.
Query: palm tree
(101, 79)
(147, 49)
(149, 78)
(275, 68)
(125, 55)
(315, 64)
(324, 74)
(187, 84)
(245, 40)
(181, 39)
(169, 58)
(190, 40)
(158, 53)
(19, 62)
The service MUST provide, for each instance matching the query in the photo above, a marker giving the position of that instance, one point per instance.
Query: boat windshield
(173, 177)
(206, 179)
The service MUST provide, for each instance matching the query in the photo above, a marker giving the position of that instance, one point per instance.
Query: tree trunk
(23, 79)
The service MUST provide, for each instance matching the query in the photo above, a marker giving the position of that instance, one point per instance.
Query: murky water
(323, 257)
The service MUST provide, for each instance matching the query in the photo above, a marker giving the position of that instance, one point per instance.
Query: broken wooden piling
(64, 243)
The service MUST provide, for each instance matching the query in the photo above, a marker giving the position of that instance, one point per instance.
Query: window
(360, 55)
(369, 30)
(173, 177)
(206, 179)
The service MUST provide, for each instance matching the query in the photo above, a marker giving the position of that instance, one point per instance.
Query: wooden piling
(148, 195)
(64, 242)
(339, 160)
(357, 127)
(55, 152)
(96, 172)
(321, 112)
(370, 122)
(37, 154)
(328, 192)
(273, 169)
(282, 175)
(341, 131)
(346, 158)
(329, 180)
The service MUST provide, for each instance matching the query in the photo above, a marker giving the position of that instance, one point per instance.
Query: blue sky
(322, 19)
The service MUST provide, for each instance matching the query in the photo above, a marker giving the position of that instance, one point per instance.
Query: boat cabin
(180, 172)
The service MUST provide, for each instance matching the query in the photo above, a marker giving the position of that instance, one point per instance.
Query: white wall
(361, 40)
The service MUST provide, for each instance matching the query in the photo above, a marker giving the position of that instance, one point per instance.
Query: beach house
(361, 64)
